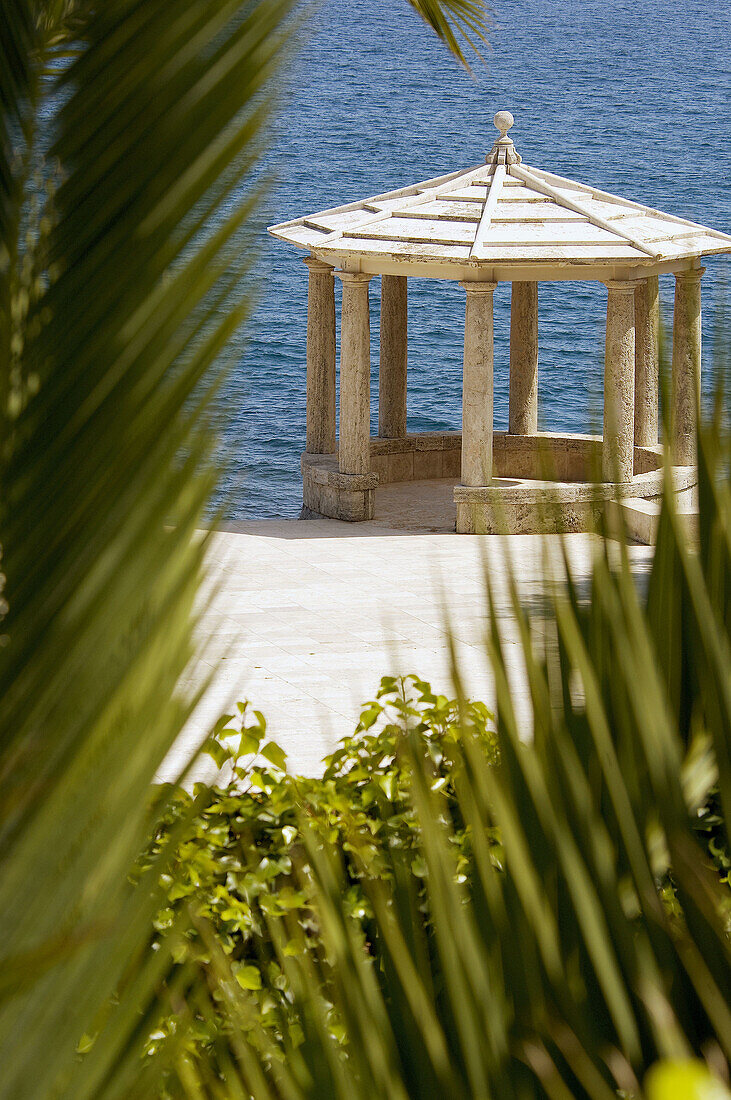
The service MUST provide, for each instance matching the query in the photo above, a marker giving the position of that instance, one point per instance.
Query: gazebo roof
(501, 220)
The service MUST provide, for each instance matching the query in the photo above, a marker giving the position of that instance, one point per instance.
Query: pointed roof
(503, 216)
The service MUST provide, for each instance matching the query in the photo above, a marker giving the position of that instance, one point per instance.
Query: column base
(327, 492)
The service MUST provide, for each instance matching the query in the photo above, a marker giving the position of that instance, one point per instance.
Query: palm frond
(19, 82)
(106, 471)
(455, 19)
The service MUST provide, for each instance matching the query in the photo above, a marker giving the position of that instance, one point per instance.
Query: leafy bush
(240, 856)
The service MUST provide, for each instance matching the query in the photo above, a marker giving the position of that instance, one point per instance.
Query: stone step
(640, 519)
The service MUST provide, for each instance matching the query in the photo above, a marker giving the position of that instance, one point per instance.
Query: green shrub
(240, 857)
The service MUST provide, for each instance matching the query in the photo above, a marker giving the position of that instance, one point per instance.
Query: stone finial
(503, 151)
(503, 121)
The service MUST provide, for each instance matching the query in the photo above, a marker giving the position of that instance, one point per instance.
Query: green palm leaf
(465, 17)
(106, 471)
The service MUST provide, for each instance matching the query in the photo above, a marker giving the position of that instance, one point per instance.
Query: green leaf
(222, 726)
(248, 977)
(275, 755)
(388, 784)
(369, 716)
(248, 743)
(85, 1043)
(217, 750)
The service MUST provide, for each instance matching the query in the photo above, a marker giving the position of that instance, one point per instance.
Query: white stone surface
(640, 518)
(304, 617)
(503, 121)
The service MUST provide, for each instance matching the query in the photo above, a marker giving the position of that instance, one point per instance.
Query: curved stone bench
(547, 481)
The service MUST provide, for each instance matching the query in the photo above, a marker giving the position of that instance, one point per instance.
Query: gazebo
(501, 221)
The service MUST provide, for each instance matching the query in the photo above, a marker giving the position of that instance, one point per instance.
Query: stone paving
(304, 617)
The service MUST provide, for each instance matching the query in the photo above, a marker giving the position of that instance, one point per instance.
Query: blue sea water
(632, 96)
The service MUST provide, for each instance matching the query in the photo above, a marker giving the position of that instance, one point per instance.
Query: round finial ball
(503, 121)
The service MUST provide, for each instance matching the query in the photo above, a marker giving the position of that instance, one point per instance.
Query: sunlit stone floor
(304, 617)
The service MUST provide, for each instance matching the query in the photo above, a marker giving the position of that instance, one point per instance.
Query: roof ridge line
(621, 201)
(385, 196)
(491, 201)
(521, 172)
(626, 205)
(415, 199)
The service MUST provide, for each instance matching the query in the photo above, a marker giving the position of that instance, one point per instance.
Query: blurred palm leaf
(468, 18)
(18, 94)
(109, 362)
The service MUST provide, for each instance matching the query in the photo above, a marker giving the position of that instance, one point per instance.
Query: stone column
(354, 455)
(477, 385)
(686, 390)
(320, 358)
(523, 415)
(392, 369)
(647, 333)
(619, 383)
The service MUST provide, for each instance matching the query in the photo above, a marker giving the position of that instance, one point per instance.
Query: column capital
(624, 286)
(314, 264)
(479, 287)
(354, 278)
(692, 276)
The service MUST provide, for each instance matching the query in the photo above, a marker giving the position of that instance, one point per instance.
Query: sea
(631, 96)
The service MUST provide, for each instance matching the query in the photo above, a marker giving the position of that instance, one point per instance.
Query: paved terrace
(307, 615)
